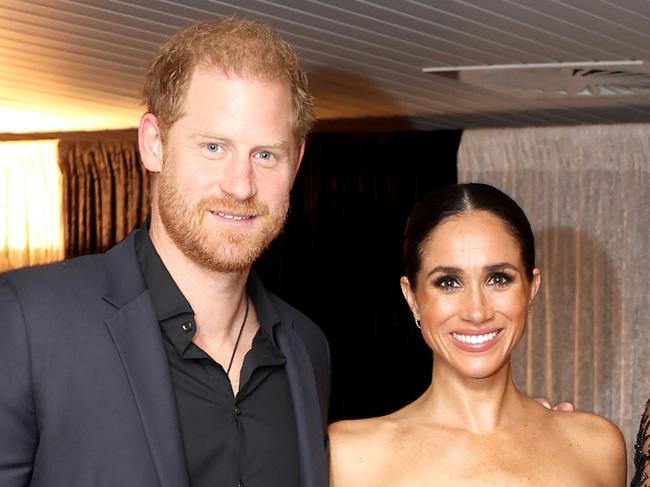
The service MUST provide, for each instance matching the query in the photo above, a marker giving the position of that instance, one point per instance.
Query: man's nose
(239, 179)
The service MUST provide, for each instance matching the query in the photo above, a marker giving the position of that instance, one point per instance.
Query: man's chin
(233, 256)
(223, 250)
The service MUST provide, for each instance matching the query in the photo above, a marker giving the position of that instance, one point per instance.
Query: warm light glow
(20, 120)
(31, 224)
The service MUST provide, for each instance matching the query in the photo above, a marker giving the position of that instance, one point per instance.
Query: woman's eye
(499, 279)
(447, 282)
(212, 147)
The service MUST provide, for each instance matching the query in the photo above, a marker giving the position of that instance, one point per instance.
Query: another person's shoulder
(642, 450)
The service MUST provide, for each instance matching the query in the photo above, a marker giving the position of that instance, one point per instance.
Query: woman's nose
(477, 306)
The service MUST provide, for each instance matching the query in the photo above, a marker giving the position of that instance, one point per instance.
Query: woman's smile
(476, 341)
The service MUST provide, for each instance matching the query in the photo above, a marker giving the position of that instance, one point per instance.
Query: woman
(642, 452)
(470, 280)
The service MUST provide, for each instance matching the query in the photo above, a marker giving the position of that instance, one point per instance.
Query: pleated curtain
(586, 191)
(106, 193)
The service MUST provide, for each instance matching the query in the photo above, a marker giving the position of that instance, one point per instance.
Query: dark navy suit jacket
(86, 397)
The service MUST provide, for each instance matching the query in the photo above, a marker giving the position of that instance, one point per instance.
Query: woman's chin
(479, 368)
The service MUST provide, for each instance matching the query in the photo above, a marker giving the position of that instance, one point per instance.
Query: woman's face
(472, 293)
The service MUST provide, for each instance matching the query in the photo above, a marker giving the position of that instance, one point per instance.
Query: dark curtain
(105, 193)
(339, 259)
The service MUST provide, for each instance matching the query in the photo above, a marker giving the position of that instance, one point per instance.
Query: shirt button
(237, 413)
(187, 326)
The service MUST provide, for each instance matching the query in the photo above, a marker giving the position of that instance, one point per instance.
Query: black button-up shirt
(248, 439)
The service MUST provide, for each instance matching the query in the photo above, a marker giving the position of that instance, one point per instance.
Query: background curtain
(30, 204)
(586, 191)
(339, 258)
(105, 193)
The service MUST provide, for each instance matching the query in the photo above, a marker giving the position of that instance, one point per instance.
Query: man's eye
(499, 279)
(264, 155)
(447, 282)
(212, 147)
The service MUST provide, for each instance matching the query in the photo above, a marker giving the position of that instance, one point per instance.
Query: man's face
(229, 164)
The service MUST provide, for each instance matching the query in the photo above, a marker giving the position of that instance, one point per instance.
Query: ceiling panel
(87, 59)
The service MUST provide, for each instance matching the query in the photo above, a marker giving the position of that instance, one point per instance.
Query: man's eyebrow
(276, 145)
(209, 135)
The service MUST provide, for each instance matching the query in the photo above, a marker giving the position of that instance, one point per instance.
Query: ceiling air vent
(602, 82)
(553, 80)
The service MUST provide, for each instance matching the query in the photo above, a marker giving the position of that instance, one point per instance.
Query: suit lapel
(131, 321)
(302, 384)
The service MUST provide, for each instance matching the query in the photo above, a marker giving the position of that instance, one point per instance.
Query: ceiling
(79, 65)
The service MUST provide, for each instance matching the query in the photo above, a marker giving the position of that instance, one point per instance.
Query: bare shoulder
(591, 429)
(359, 434)
(597, 441)
(357, 450)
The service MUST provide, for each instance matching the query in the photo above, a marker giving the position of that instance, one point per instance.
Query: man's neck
(215, 297)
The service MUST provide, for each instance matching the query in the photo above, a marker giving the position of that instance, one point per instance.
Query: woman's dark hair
(456, 199)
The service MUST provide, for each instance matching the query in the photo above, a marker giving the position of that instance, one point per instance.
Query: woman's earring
(417, 321)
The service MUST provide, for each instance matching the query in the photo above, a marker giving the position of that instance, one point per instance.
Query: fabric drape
(105, 193)
(586, 191)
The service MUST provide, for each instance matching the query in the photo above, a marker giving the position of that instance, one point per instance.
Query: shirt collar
(168, 300)
(267, 315)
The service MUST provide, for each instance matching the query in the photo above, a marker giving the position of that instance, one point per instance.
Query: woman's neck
(480, 406)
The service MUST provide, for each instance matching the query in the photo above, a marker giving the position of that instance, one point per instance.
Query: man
(165, 362)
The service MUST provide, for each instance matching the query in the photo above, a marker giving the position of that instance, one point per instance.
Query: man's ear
(150, 143)
(300, 153)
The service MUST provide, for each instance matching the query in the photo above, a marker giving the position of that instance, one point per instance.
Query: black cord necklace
(241, 329)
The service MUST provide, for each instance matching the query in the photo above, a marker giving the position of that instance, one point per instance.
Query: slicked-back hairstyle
(457, 199)
(237, 47)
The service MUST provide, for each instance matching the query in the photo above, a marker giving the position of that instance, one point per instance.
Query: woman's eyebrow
(445, 270)
(500, 266)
